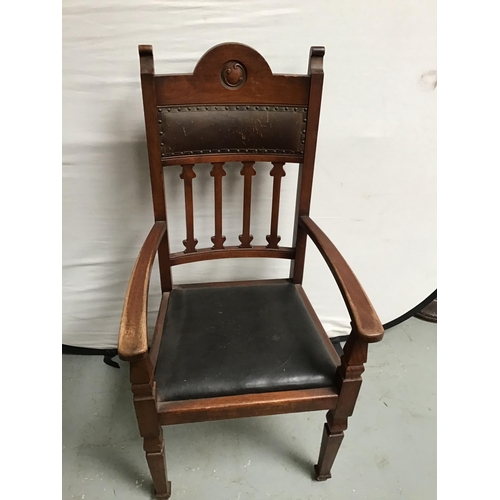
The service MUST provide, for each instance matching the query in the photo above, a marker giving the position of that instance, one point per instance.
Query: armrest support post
(349, 374)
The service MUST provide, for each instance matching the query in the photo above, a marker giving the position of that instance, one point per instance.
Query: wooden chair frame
(244, 80)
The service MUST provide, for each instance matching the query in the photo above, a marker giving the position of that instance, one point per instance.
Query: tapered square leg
(149, 427)
(155, 456)
(333, 434)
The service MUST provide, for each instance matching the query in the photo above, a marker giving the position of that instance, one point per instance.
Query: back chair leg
(333, 433)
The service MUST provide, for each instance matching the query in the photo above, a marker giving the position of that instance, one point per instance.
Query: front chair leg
(333, 433)
(155, 456)
(144, 389)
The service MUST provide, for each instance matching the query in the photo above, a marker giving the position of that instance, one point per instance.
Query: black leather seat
(222, 341)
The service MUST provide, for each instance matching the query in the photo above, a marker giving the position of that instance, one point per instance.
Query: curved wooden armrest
(133, 337)
(364, 318)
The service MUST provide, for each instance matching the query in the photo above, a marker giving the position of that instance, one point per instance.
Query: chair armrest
(133, 336)
(365, 320)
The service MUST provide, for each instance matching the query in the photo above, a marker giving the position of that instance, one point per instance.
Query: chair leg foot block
(321, 477)
(165, 496)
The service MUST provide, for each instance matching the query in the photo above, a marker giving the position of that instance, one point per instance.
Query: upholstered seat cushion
(222, 341)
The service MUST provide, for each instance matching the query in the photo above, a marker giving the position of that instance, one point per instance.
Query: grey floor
(389, 450)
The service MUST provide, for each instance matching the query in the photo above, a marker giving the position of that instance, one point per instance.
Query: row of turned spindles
(218, 172)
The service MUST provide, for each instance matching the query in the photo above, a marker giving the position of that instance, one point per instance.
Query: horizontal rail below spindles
(231, 252)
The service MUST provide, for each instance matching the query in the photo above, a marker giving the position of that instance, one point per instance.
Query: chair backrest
(231, 109)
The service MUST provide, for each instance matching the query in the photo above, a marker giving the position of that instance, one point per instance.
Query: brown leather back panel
(187, 130)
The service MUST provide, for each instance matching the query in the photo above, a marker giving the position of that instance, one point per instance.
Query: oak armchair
(248, 348)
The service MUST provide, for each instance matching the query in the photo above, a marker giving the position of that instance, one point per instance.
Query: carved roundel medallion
(233, 74)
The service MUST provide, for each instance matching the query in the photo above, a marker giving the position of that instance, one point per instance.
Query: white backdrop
(374, 192)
